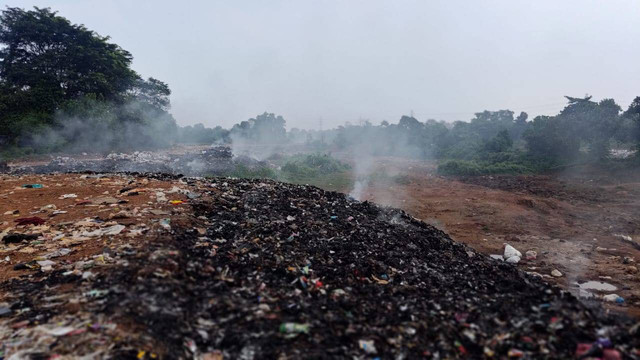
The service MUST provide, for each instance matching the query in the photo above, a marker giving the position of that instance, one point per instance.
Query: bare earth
(571, 222)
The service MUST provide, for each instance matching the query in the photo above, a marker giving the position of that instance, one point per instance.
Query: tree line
(65, 87)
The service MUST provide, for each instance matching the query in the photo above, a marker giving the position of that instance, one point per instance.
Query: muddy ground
(571, 219)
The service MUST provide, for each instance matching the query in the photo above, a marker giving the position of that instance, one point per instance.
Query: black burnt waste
(216, 160)
(277, 271)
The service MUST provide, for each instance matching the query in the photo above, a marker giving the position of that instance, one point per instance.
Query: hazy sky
(344, 60)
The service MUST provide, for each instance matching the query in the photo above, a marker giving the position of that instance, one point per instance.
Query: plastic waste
(510, 251)
(289, 328)
(68, 196)
(513, 260)
(166, 223)
(368, 346)
(14, 238)
(613, 298)
(32, 186)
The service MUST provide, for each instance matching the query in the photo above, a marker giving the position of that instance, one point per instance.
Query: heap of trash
(253, 269)
(213, 161)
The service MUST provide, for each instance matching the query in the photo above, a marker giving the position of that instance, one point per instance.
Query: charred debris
(216, 160)
(262, 269)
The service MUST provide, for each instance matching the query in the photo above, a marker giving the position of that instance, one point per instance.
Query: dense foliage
(585, 131)
(59, 81)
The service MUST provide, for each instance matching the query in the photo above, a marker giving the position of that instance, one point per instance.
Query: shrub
(264, 172)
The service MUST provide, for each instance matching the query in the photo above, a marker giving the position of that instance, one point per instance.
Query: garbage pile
(217, 160)
(258, 269)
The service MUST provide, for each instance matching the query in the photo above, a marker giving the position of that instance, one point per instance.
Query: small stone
(510, 251)
(513, 260)
(556, 273)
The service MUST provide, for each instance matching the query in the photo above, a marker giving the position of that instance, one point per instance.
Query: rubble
(511, 255)
(531, 255)
(217, 160)
(258, 269)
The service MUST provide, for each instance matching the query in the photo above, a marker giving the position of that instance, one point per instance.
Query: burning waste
(164, 266)
(216, 160)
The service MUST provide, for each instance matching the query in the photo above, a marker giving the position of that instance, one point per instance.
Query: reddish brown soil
(570, 222)
(30, 203)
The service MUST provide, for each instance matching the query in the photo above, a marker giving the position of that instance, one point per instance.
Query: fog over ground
(338, 61)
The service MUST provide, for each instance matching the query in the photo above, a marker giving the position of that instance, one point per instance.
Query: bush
(312, 165)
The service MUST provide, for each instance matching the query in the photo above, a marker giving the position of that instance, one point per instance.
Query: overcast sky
(343, 60)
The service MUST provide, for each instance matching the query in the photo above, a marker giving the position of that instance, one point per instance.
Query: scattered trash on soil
(255, 269)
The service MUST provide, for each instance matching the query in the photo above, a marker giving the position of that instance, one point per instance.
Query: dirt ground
(72, 205)
(572, 222)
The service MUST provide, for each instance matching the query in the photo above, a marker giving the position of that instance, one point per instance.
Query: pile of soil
(270, 270)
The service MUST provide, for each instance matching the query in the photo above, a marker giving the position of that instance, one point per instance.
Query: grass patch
(319, 170)
(312, 165)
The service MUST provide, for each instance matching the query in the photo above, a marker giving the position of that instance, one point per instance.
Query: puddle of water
(597, 286)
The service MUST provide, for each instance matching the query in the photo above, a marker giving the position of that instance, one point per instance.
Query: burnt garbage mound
(288, 271)
(215, 161)
(272, 270)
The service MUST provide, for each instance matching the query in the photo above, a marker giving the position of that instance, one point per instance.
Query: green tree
(487, 124)
(44, 51)
(264, 128)
(52, 69)
(499, 143)
(593, 123)
(633, 114)
(549, 139)
(519, 126)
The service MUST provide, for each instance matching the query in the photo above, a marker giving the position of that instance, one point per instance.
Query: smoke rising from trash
(98, 128)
